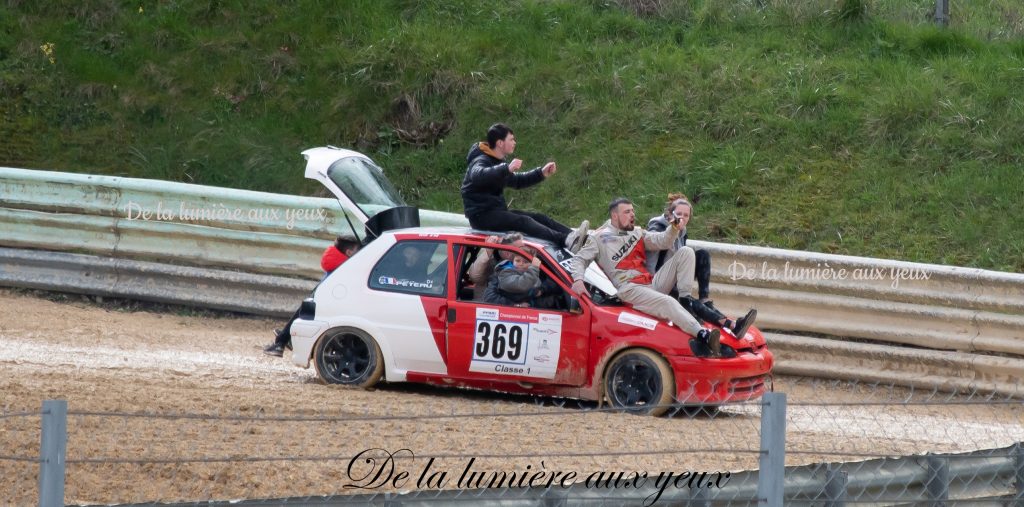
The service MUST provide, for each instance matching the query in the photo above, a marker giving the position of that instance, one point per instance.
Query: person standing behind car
(483, 192)
(344, 246)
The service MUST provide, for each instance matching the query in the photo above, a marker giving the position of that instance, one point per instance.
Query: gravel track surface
(167, 407)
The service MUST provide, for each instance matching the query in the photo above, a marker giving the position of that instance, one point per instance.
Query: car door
(409, 294)
(508, 343)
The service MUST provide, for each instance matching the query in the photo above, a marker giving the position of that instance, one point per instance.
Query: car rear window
(414, 267)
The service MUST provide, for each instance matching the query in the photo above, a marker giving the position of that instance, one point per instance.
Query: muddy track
(219, 398)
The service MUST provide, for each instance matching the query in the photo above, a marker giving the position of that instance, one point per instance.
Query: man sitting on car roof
(483, 192)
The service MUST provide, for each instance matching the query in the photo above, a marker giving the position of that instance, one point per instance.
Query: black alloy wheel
(349, 356)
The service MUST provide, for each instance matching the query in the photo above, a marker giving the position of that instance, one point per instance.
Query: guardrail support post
(835, 486)
(552, 498)
(772, 469)
(52, 452)
(942, 12)
(936, 484)
(699, 498)
(1018, 469)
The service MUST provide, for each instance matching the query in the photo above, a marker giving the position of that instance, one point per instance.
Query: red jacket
(332, 258)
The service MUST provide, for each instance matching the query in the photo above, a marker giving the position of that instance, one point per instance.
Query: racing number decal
(520, 343)
(499, 341)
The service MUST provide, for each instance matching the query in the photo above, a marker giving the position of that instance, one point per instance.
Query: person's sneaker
(279, 337)
(713, 339)
(576, 238)
(739, 330)
(709, 303)
(274, 350)
(698, 348)
(687, 303)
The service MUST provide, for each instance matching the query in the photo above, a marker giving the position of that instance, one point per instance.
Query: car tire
(693, 411)
(348, 356)
(640, 381)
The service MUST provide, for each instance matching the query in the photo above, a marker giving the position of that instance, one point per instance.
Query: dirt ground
(174, 407)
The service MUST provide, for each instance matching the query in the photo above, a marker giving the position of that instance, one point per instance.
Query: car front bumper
(714, 381)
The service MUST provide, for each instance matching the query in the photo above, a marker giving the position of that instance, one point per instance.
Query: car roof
(462, 232)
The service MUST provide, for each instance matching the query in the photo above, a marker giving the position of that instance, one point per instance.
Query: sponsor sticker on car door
(516, 341)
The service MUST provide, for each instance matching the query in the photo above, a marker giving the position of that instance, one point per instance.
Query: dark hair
(675, 199)
(616, 202)
(344, 242)
(496, 133)
(511, 237)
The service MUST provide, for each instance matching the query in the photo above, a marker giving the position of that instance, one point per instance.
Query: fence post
(942, 12)
(835, 486)
(52, 451)
(936, 484)
(1018, 466)
(552, 498)
(770, 476)
(699, 498)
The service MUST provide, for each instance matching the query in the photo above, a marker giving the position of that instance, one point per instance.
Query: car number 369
(499, 341)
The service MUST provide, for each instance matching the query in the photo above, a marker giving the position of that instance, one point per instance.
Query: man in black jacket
(483, 192)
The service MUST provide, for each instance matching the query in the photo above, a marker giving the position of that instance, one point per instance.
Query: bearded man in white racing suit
(619, 250)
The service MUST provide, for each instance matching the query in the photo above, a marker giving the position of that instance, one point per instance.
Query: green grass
(843, 126)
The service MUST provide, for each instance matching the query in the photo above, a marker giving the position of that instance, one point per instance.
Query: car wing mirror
(574, 306)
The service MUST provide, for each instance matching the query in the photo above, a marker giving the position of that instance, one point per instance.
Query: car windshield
(601, 288)
(364, 183)
(559, 255)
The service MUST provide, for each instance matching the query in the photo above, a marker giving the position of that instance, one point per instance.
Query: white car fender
(391, 372)
(305, 333)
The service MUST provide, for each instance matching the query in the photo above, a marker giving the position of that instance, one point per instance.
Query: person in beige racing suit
(619, 250)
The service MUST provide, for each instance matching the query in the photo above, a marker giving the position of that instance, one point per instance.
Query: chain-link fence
(840, 443)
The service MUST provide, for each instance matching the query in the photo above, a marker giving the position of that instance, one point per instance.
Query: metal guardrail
(220, 289)
(927, 306)
(173, 222)
(914, 367)
(923, 305)
(868, 278)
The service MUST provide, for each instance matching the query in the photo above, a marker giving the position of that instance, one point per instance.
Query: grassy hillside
(840, 126)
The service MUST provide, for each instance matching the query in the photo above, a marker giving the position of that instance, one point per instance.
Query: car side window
(474, 272)
(413, 267)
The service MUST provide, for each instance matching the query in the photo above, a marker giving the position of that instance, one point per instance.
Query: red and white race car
(402, 310)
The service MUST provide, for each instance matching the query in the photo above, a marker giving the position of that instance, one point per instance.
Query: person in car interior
(517, 282)
(483, 266)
